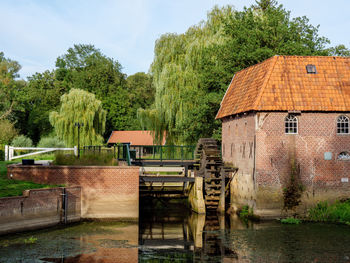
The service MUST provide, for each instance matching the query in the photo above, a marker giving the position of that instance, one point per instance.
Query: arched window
(343, 156)
(342, 125)
(291, 124)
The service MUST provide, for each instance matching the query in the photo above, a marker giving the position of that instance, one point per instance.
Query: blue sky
(36, 32)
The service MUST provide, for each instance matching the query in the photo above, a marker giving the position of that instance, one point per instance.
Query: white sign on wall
(345, 180)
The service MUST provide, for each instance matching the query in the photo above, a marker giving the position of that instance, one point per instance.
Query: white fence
(10, 151)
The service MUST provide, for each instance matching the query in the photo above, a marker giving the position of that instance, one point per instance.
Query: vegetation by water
(10, 187)
(247, 213)
(291, 220)
(103, 159)
(339, 212)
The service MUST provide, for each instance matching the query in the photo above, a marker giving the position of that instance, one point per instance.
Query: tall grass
(339, 212)
(98, 159)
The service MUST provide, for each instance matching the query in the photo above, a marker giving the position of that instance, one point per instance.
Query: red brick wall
(316, 135)
(107, 191)
(274, 152)
(238, 148)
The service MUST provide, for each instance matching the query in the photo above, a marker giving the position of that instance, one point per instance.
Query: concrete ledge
(39, 208)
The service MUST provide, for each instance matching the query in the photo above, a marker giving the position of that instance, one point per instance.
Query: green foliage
(339, 212)
(339, 50)
(247, 213)
(7, 132)
(22, 141)
(191, 71)
(292, 192)
(182, 106)
(9, 87)
(85, 67)
(40, 96)
(99, 159)
(291, 220)
(30, 240)
(51, 142)
(13, 187)
(79, 106)
(141, 95)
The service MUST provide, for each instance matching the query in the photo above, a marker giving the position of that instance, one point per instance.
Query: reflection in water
(174, 234)
(86, 242)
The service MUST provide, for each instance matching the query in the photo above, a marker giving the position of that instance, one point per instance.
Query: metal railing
(155, 152)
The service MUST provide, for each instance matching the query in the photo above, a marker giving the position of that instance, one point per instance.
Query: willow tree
(176, 79)
(79, 106)
(191, 71)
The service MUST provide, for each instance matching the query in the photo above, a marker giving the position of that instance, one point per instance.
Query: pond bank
(171, 233)
(40, 208)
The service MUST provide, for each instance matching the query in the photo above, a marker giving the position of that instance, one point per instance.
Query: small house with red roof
(140, 141)
(132, 138)
(285, 117)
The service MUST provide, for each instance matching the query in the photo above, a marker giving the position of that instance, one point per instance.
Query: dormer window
(291, 124)
(311, 69)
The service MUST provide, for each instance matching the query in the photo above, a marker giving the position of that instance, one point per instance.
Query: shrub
(291, 220)
(102, 159)
(51, 142)
(7, 132)
(22, 141)
(246, 213)
(339, 212)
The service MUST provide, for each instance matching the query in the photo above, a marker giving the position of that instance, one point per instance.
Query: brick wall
(107, 191)
(274, 151)
(316, 136)
(238, 148)
(38, 208)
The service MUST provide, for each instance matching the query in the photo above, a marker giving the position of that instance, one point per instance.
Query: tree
(141, 95)
(8, 85)
(178, 89)
(79, 106)
(39, 96)
(85, 67)
(7, 132)
(191, 71)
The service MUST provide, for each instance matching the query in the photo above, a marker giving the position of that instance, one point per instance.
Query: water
(176, 235)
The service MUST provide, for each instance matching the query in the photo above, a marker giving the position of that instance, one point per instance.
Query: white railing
(10, 151)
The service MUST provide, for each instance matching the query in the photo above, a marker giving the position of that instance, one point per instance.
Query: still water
(174, 234)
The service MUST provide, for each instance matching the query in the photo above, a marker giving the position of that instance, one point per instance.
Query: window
(311, 69)
(343, 156)
(291, 124)
(343, 125)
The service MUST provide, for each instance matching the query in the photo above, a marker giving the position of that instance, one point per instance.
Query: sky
(36, 32)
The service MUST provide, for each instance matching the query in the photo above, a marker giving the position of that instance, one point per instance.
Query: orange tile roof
(132, 137)
(281, 83)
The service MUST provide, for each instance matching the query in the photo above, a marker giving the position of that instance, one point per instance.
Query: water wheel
(209, 164)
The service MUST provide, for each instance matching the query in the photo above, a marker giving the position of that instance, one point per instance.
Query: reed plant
(339, 212)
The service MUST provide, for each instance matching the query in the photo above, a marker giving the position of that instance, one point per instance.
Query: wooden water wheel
(209, 164)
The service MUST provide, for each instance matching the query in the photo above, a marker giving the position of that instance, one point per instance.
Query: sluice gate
(205, 180)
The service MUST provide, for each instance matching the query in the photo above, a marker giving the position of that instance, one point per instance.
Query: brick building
(284, 110)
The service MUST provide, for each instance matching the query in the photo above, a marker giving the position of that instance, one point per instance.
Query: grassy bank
(14, 187)
(339, 212)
